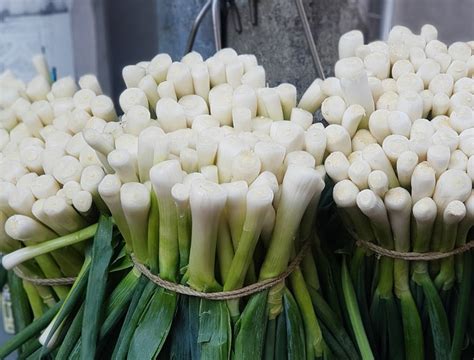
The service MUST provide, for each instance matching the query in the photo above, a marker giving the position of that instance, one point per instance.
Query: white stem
(109, 191)
(148, 85)
(348, 42)
(24, 228)
(64, 87)
(194, 106)
(210, 173)
(358, 172)
(132, 74)
(452, 185)
(337, 166)
(83, 98)
(394, 146)
(170, 115)
(352, 118)
(255, 77)
(333, 108)
(312, 98)
(378, 182)
(271, 156)
(287, 93)
(301, 158)
(130, 97)
(379, 125)
(82, 202)
(398, 203)
(158, 67)
(377, 160)
(67, 168)
(165, 90)
(189, 160)
(362, 138)
(146, 146)
(423, 181)
(220, 103)
(234, 73)
(61, 212)
(406, 164)
(89, 81)
(411, 103)
(399, 123)
(180, 75)
(137, 119)
(354, 83)
(216, 70)
(201, 80)
(124, 165)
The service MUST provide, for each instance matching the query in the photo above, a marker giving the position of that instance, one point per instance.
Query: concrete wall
(279, 42)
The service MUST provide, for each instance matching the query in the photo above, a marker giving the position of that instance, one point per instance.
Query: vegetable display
(213, 181)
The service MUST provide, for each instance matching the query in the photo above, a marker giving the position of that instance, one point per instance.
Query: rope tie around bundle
(182, 289)
(224, 295)
(414, 256)
(44, 282)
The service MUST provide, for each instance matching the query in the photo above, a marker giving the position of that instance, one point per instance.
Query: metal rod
(196, 24)
(253, 11)
(216, 23)
(387, 18)
(309, 37)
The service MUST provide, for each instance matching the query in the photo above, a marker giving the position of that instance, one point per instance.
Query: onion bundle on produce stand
(400, 131)
(218, 194)
(197, 222)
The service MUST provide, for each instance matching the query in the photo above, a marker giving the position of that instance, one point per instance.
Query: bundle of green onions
(400, 138)
(47, 171)
(48, 183)
(221, 190)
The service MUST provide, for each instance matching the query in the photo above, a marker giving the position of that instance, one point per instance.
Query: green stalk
(243, 257)
(333, 325)
(250, 330)
(69, 260)
(51, 271)
(446, 276)
(315, 346)
(294, 329)
(34, 299)
(156, 319)
(281, 338)
(354, 314)
(462, 308)
(21, 311)
(69, 304)
(102, 250)
(310, 273)
(30, 269)
(27, 253)
(323, 311)
(438, 319)
(168, 243)
(28, 332)
(115, 309)
(73, 334)
(412, 329)
(153, 233)
(270, 339)
(184, 237)
(225, 249)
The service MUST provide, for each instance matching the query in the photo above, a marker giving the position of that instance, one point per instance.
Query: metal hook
(235, 15)
(253, 12)
(309, 37)
(196, 24)
(216, 23)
